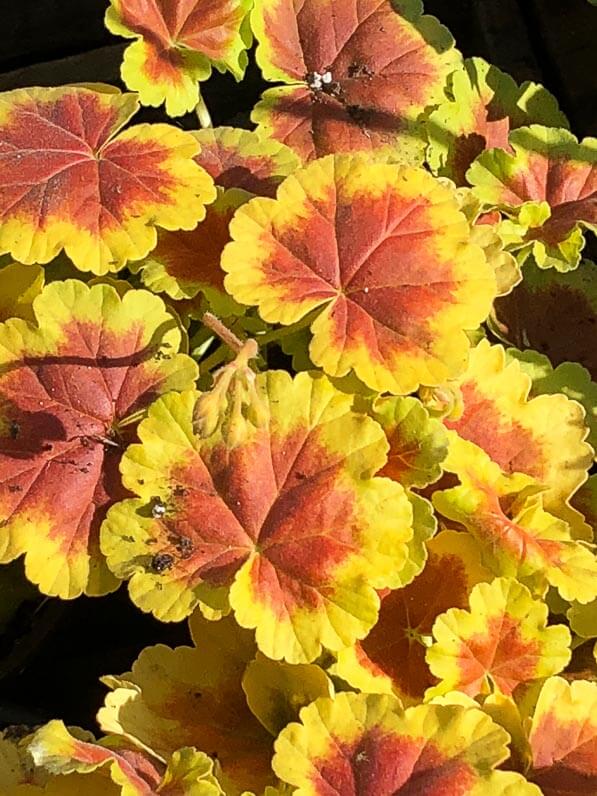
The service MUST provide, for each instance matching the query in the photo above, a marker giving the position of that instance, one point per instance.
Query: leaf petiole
(203, 114)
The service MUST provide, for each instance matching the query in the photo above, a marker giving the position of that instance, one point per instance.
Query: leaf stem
(203, 113)
(225, 334)
(285, 331)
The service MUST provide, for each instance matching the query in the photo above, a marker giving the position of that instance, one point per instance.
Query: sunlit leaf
(19, 285)
(553, 313)
(177, 42)
(192, 696)
(385, 255)
(345, 94)
(569, 378)
(70, 388)
(483, 105)
(506, 712)
(288, 518)
(20, 776)
(485, 232)
(242, 159)
(563, 738)
(69, 181)
(391, 659)
(518, 536)
(418, 443)
(501, 642)
(367, 745)
(184, 264)
(275, 690)
(424, 527)
(188, 773)
(543, 437)
(557, 175)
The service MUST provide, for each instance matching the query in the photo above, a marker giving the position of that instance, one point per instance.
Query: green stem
(203, 113)
(285, 331)
(216, 358)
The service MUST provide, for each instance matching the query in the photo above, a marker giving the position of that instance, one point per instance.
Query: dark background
(49, 42)
(53, 652)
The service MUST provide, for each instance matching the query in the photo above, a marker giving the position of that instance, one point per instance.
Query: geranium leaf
(391, 659)
(19, 286)
(177, 43)
(184, 264)
(543, 437)
(506, 515)
(569, 378)
(583, 619)
(418, 443)
(276, 690)
(501, 642)
(563, 738)
(584, 500)
(19, 776)
(192, 696)
(189, 773)
(366, 744)
(344, 94)
(383, 252)
(485, 232)
(93, 360)
(68, 181)
(424, 527)
(483, 105)
(554, 313)
(301, 554)
(548, 166)
(237, 158)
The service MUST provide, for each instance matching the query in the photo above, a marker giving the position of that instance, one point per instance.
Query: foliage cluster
(323, 388)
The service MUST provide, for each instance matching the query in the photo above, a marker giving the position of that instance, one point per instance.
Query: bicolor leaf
(553, 313)
(184, 264)
(177, 42)
(482, 106)
(518, 536)
(286, 517)
(543, 437)
(563, 738)
(501, 642)
(553, 179)
(569, 378)
(188, 772)
(418, 443)
(242, 159)
(192, 696)
(71, 388)
(69, 182)
(486, 232)
(391, 659)
(383, 255)
(342, 94)
(20, 776)
(367, 745)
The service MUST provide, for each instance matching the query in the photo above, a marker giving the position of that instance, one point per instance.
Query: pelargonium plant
(325, 389)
